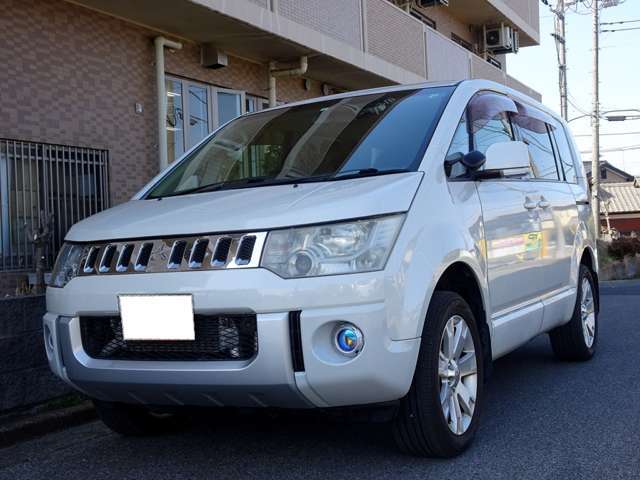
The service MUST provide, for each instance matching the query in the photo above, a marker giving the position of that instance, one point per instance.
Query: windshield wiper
(267, 181)
(349, 174)
(213, 187)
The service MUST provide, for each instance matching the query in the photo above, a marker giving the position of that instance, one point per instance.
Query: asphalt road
(544, 419)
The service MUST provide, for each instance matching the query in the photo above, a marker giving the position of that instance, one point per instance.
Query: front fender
(431, 242)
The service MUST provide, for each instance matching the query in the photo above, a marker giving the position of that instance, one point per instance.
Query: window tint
(494, 130)
(565, 154)
(543, 162)
(485, 122)
(383, 131)
(459, 145)
(488, 113)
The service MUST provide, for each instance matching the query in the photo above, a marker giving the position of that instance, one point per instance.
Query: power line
(620, 30)
(620, 23)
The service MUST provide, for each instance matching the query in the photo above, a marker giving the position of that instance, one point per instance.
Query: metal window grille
(41, 179)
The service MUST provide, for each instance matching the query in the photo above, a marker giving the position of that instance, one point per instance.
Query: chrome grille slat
(177, 254)
(245, 249)
(107, 258)
(198, 252)
(221, 252)
(122, 265)
(90, 261)
(143, 256)
(191, 253)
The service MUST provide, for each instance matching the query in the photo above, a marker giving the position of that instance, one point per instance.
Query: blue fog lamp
(349, 340)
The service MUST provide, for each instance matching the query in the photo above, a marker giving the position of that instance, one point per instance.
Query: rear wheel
(132, 420)
(577, 339)
(439, 415)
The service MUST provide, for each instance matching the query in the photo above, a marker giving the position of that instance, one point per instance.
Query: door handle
(529, 204)
(544, 203)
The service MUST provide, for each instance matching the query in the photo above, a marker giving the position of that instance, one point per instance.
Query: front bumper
(382, 372)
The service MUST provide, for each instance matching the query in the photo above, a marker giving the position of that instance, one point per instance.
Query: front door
(512, 226)
(514, 243)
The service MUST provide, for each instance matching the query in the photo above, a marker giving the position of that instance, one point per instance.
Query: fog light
(349, 339)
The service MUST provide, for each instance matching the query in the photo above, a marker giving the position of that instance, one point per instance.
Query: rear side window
(543, 163)
(565, 154)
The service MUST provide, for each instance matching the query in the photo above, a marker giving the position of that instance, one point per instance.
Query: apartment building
(97, 96)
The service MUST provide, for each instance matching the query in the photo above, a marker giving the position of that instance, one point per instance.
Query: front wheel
(439, 415)
(577, 339)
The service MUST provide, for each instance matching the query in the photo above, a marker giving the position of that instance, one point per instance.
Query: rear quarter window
(565, 154)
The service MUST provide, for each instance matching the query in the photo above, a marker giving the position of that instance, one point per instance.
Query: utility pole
(561, 45)
(595, 122)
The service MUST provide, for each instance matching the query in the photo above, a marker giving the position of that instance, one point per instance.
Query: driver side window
(486, 121)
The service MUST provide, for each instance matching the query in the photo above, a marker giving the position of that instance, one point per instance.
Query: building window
(603, 173)
(175, 118)
(196, 109)
(230, 105)
(429, 22)
(462, 42)
(198, 125)
(494, 61)
(255, 104)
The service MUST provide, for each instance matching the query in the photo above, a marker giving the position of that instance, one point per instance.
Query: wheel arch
(460, 277)
(590, 260)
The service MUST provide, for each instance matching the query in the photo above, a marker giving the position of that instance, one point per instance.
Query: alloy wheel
(588, 313)
(458, 372)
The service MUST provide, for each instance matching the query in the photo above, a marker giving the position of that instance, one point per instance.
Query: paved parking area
(543, 419)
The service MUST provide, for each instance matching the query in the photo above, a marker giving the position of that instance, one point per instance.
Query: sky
(619, 77)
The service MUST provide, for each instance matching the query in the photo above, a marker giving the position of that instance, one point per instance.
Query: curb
(32, 426)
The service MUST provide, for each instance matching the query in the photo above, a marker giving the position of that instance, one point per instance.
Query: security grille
(39, 181)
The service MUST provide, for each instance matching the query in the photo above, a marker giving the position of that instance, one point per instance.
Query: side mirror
(507, 157)
(472, 161)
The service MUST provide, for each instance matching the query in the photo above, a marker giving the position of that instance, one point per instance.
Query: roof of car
(473, 85)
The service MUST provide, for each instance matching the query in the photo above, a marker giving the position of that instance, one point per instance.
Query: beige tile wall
(72, 76)
(395, 36)
(340, 19)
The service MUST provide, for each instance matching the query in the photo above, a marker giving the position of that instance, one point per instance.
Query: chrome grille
(206, 252)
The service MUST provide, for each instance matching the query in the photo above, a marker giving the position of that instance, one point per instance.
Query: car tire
(424, 424)
(577, 340)
(134, 421)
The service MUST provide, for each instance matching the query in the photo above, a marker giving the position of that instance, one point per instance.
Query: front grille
(206, 252)
(218, 337)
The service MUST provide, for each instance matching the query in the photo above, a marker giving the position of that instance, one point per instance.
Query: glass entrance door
(229, 104)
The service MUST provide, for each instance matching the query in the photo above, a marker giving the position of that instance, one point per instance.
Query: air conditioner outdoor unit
(431, 3)
(501, 39)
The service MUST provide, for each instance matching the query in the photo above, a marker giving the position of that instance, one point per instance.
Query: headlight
(67, 265)
(346, 247)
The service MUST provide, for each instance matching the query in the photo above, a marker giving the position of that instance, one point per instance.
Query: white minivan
(373, 248)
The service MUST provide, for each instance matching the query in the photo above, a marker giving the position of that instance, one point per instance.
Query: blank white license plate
(157, 317)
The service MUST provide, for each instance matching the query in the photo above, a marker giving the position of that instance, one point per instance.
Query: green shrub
(622, 247)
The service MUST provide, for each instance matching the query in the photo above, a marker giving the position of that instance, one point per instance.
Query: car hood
(251, 209)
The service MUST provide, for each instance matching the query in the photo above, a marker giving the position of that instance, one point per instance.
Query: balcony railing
(380, 28)
(40, 181)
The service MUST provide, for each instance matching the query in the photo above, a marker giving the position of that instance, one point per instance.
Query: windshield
(333, 139)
